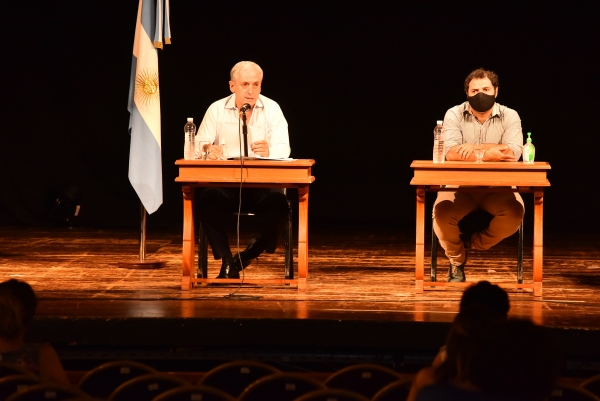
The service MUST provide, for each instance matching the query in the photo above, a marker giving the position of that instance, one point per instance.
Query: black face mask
(481, 102)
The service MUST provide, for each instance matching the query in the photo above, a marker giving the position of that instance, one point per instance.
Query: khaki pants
(450, 207)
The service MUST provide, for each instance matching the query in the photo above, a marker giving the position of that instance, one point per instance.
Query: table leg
(538, 241)
(302, 237)
(420, 240)
(189, 243)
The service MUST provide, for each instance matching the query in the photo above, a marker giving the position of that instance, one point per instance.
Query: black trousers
(215, 205)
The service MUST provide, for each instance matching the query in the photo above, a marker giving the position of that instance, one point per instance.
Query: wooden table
(254, 174)
(498, 176)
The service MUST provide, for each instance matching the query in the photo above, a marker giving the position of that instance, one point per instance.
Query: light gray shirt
(502, 127)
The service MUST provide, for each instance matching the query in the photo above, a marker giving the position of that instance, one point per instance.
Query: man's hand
(261, 148)
(214, 151)
(501, 153)
(465, 150)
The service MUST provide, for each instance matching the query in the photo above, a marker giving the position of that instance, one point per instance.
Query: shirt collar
(230, 103)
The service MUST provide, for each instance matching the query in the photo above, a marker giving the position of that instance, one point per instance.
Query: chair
(569, 392)
(287, 237)
(101, 381)
(397, 390)
(364, 379)
(592, 385)
(191, 393)
(146, 387)
(12, 384)
(473, 222)
(234, 377)
(331, 394)
(280, 387)
(9, 369)
(48, 391)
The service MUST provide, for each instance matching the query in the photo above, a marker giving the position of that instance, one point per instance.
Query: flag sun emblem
(146, 87)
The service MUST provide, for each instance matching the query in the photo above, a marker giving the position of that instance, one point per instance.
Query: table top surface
(470, 165)
(247, 163)
(487, 174)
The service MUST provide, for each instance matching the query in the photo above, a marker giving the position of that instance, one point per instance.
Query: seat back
(234, 377)
(187, 393)
(364, 379)
(146, 387)
(101, 381)
(397, 390)
(280, 387)
(10, 385)
(568, 392)
(9, 369)
(331, 394)
(47, 391)
(592, 385)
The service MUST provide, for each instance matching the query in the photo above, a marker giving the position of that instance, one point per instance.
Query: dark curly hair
(481, 73)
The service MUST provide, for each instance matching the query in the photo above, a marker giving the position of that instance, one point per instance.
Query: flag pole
(142, 263)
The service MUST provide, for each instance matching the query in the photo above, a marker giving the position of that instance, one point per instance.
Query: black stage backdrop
(360, 83)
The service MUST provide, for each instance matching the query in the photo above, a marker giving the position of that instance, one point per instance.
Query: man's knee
(275, 203)
(211, 201)
(513, 210)
(444, 213)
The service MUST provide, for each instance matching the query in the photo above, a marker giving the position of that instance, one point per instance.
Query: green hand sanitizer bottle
(528, 151)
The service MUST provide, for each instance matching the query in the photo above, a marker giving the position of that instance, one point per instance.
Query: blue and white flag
(145, 166)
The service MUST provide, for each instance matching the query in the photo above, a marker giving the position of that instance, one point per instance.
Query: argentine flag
(145, 166)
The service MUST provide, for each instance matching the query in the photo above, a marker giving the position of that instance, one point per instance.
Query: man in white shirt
(267, 137)
(479, 120)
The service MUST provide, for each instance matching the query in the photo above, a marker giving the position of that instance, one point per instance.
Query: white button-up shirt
(266, 123)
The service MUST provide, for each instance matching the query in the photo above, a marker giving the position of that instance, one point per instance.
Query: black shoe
(252, 251)
(227, 271)
(456, 273)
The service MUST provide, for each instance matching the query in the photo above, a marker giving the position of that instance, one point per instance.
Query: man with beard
(478, 121)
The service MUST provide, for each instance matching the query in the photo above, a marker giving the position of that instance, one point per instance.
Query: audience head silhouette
(17, 308)
(487, 295)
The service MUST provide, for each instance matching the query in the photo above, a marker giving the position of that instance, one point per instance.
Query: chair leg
(202, 253)
(289, 248)
(520, 256)
(434, 242)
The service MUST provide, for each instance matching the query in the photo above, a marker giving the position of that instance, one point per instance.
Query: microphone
(245, 107)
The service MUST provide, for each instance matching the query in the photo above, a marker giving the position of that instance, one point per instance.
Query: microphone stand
(245, 133)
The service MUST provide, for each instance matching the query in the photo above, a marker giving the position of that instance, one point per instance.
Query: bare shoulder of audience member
(17, 308)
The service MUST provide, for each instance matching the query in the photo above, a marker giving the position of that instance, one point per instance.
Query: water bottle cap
(223, 141)
(190, 119)
(440, 122)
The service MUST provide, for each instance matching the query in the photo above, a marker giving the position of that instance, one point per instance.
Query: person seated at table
(17, 308)
(267, 137)
(478, 120)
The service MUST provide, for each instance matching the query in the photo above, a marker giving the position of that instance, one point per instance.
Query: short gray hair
(244, 65)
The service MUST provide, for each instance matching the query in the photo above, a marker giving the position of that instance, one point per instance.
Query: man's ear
(496, 95)
(232, 86)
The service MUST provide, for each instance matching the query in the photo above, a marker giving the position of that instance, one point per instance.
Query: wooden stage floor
(360, 296)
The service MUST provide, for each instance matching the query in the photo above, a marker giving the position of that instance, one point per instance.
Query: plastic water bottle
(223, 150)
(438, 142)
(189, 150)
(528, 151)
